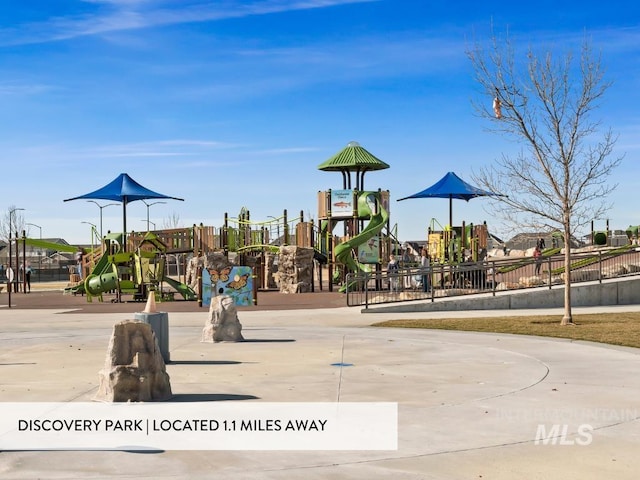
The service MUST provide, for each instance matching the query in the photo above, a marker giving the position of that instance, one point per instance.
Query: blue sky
(235, 103)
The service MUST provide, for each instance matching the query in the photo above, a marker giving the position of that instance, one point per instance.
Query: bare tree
(544, 103)
(16, 226)
(172, 221)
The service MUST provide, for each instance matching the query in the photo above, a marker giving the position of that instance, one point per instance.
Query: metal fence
(441, 281)
(42, 275)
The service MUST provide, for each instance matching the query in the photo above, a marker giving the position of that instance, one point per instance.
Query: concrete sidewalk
(470, 404)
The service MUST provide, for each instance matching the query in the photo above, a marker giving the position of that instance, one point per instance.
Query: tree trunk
(567, 319)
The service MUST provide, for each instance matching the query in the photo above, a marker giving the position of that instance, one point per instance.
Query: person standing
(27, 277)
(78, 257)
(537, 256)
(392, 273)
(424, 266)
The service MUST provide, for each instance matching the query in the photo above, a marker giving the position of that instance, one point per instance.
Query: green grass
(549, 252)
(615, 328)
(591, 260)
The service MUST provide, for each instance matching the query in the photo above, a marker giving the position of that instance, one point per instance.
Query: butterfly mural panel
(236, 282)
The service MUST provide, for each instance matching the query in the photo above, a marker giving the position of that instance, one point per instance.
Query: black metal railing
(443, 280)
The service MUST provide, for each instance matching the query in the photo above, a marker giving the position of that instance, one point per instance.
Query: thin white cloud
(615, 39)
(63, 155)
(197, 143)
(143, 154)
(23, 89)
(120, 15)
(276, 70)
(211, 164)
(196, 153)
(120, 2)
(285, 151)
(161, 148)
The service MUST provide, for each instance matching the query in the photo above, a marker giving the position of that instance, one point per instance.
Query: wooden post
(329, 240)
(24, 262)
(225, 235)
(200, 286)
(16, 284)
(286, 228)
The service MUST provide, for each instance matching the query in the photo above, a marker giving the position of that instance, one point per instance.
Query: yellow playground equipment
(457, 244)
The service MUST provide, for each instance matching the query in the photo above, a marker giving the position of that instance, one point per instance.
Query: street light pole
(149, 222)
(10, 274)
(81, 264)
(148, 205)
(94, 229)
(39, 251)
(101, 207)
(37, 226)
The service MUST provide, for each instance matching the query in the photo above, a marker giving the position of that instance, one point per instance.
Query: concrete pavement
(470, 404)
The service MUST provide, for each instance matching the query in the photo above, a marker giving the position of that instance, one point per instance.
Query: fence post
(432, 286)
(493, 278)
(600, 266)
(346, 290)
(366, 290)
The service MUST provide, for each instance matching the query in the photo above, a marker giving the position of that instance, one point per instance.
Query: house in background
(525, 241)
(49, 263)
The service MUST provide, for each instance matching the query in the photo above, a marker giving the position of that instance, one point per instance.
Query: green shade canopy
(353, 158)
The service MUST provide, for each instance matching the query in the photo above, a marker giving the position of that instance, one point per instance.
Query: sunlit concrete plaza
(470, 405)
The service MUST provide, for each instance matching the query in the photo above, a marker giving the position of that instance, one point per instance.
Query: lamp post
(101, 207)
(37, 226)
(93, 229)
(149, 222)
(149, 205)
(10, 273)
(81, 265)
(39, 251)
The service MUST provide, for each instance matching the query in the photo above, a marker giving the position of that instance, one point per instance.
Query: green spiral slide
(369, 206)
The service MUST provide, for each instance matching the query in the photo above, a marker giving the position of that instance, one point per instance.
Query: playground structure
(135, 271)
(452, 245)
(244, 241)
(140, 263)
(360, 248)
(136, 263)
(107, 267)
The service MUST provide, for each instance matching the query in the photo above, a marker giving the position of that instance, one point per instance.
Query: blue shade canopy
(452, 186)
(123, 189)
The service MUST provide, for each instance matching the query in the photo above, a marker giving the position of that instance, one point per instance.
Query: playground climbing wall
(295, 269)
